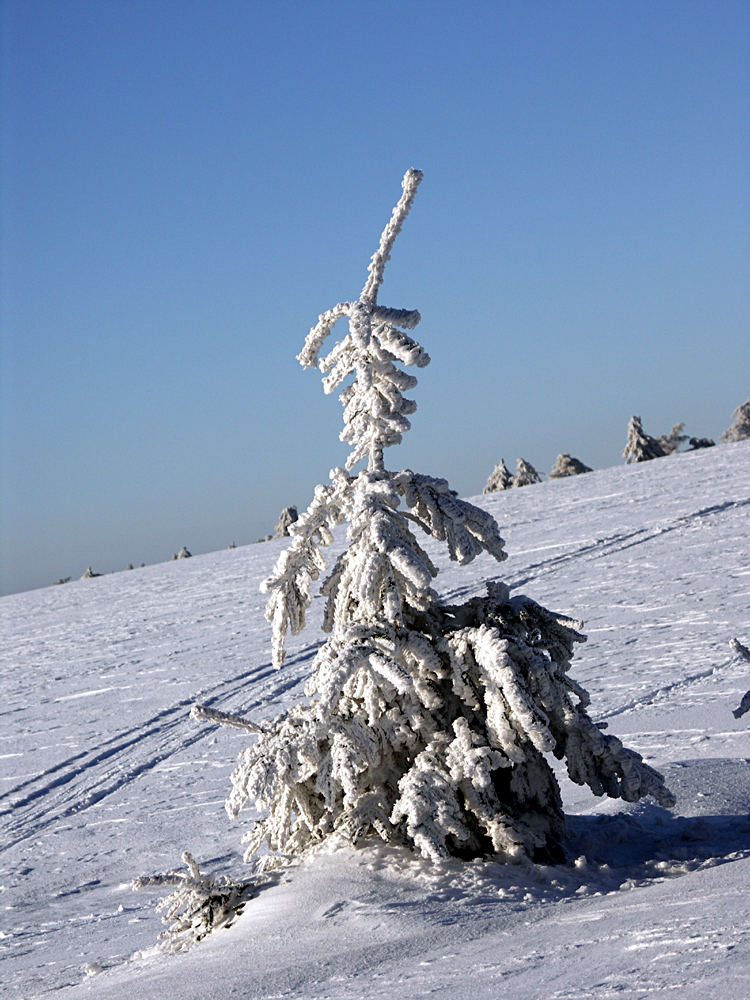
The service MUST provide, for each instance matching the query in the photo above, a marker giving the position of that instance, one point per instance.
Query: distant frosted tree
(740, 429)
(427, 724)
(500, 479)
(286, 519)
(671, 442)
(565, 465)
(526, 474)
(640, 446)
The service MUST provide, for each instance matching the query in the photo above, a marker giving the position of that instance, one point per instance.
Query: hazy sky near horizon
(187, 185)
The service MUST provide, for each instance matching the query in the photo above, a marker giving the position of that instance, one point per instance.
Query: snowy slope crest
(104, 777)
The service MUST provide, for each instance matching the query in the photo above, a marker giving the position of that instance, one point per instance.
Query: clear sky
(187, 184)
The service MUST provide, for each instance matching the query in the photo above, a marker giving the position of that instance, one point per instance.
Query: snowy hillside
(103, 776)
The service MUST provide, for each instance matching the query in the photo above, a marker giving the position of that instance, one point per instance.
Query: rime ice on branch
(428, 724)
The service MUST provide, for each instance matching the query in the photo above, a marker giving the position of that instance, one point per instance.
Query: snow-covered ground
(103, 777)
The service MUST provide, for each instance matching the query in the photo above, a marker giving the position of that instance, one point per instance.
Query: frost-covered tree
(740, 429)
(670, 443)
(427, 724)
(500, 479)
(526, 474)
(565, 465)
(640, 446)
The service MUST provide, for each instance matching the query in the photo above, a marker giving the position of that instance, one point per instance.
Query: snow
(103, 777)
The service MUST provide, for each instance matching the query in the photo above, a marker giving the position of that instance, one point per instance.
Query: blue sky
(186, 185)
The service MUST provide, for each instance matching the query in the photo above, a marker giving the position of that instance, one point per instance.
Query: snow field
(103, 777)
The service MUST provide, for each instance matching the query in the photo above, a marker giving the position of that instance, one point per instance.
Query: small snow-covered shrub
(199, 904)
(428, 724)
(565, 465)
(670, 443)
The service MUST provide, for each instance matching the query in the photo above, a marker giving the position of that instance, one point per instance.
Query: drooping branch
(303, 562)
(203, 713)
(468, 530)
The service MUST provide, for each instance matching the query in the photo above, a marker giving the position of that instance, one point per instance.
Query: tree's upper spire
(410, 183)
(375, 411)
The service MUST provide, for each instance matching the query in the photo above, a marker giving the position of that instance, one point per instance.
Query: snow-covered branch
(468, 530)
(202, 713)
(410, 183)
(303, 562)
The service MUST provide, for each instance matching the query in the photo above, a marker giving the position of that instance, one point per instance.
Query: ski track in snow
(86, 778)
(624, 540)
(103, 777)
